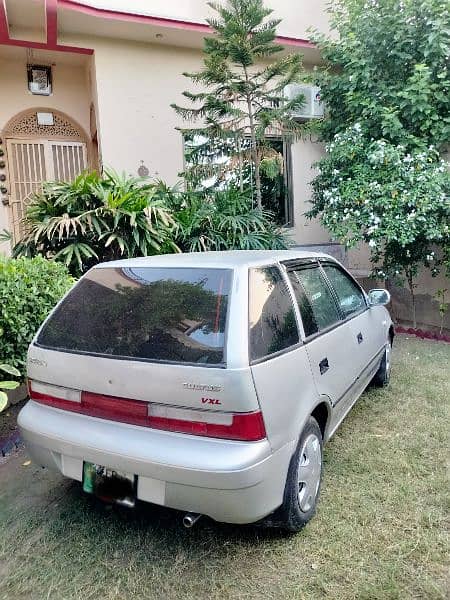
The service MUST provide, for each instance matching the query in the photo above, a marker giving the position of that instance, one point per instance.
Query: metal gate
(30, 163)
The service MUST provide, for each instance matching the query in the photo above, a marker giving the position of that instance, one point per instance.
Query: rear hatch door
(156, 334)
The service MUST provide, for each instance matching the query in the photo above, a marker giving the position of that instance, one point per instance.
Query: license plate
(109, 484)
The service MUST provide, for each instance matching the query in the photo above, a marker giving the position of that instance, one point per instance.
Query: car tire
(383, 375)
(303, 481)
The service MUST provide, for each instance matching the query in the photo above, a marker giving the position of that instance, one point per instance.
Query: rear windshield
(154, 314)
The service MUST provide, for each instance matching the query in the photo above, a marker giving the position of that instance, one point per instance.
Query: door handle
(323, 365)
(360, 338)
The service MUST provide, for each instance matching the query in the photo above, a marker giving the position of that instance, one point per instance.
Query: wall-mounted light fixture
(39, 79)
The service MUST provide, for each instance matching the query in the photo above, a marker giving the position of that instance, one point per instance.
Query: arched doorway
(51, 147)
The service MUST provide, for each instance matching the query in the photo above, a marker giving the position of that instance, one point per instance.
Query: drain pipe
(190, 519)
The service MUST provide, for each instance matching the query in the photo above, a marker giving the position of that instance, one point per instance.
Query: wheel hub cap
(309, 470)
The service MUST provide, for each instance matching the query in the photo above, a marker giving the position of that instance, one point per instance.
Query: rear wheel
(303, 481)
(383, 375)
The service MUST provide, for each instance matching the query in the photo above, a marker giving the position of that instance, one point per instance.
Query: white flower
(372, 243)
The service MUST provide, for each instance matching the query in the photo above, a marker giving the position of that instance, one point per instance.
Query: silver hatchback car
(205, 382)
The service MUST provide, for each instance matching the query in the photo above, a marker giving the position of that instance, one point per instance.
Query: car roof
(229, 259)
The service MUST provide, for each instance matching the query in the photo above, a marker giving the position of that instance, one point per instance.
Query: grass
(380, 531)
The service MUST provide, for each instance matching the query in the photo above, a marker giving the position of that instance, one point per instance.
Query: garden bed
(424, 335)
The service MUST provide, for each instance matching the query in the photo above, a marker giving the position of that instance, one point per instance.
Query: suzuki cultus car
(205, 382)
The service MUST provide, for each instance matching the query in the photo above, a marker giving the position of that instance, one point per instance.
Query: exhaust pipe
(190, 519)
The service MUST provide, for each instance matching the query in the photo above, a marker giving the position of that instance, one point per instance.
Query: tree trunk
(254, 152)
(255, 156)
(413, 297)
(258, 181)
(241, 175)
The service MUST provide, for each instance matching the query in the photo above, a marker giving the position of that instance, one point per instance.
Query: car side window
(350, 297)
(309, 321)
(272, 322)
(319, 296)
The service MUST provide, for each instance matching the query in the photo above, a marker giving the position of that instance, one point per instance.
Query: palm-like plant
(7, 385)
(97, 218)
(224, 220)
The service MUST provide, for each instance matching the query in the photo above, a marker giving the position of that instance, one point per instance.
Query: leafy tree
(386, 86)
(387, 68)
(94, 219)
(396, 201)
(242, 94)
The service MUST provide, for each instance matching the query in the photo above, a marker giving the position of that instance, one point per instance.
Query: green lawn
(380, 532)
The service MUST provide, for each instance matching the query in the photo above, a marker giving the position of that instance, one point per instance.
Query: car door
(279, 361)
(361, 321)
(329, 342)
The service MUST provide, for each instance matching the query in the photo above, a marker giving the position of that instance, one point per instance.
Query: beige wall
(70, 91)
(135, 85)
(304, 155)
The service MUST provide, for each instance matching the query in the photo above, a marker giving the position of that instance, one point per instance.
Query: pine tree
(243, 80)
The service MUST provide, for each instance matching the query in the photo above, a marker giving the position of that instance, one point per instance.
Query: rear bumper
(234, 482)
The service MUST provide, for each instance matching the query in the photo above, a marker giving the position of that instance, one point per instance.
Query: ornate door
(33, 161)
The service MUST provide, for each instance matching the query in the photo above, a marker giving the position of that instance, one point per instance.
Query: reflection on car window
(162, 314)
(351, 298)
(320, 298)
(308, 318)
(272, 322)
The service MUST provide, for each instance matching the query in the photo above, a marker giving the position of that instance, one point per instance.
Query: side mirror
(379, 297)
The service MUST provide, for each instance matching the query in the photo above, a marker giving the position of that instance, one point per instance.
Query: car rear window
(155, 314)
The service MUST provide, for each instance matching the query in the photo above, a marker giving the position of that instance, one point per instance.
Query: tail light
(231, 426)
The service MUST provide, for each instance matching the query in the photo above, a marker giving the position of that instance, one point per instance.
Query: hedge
(29, 289)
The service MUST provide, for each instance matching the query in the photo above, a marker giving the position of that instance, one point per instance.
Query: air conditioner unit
(312, 107)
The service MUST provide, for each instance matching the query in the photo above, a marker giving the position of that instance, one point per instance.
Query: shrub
(29, 288)
(396, 201)
(97, 218)
(224, 220)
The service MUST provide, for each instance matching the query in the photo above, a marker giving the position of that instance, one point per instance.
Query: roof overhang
(40, 19)
(48, 24)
